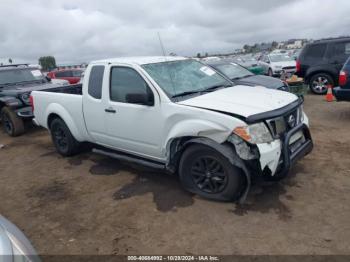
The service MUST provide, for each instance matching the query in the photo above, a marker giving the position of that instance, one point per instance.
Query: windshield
(177, 77)
(233, 71)
(280, 58)
(13, 76)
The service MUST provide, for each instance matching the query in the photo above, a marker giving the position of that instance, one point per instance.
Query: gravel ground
(90, 204)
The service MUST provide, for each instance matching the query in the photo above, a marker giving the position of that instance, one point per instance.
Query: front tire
(12, 124)
(207, 173)
(63, 139)
(319, 83)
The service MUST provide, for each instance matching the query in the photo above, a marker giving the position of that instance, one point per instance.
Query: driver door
(133, 118)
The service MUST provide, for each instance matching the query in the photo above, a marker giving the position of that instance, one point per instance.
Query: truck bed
(64, 101)
(68, 89)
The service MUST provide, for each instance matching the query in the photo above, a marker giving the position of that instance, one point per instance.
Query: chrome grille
(280, 125)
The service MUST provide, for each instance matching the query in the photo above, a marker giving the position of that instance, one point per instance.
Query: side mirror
(268, 62)
(140, 99)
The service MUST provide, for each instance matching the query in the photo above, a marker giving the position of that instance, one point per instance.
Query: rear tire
(207, 173)
(13, 125)
(63, 139)
(318, 83)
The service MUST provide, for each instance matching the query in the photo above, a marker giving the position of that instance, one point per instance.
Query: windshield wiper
(210, 89)
(187, 93)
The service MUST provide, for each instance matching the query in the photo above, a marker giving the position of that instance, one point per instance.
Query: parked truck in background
(16, 83)
(179, 115)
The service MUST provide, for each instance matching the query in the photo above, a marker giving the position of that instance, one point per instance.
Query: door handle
(110, 110)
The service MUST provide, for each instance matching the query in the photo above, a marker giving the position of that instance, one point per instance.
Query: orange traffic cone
(329, 96)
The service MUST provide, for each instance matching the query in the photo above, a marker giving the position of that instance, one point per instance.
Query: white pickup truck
(180, 115)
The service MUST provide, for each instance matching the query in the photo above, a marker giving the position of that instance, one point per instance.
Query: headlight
(255, 134)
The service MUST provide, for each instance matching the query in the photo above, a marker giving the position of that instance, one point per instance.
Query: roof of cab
(140, 60)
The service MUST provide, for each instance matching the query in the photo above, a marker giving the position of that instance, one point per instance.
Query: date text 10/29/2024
(173, 258)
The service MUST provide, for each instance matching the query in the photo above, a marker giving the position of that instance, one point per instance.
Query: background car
(279, 51)
(342, 92)
(295, 54)
(16, 84)
(320, 62)
(71, 75)
(241, 76)
(14, 245)
(250, 63)
(276, 64)
(59, 81)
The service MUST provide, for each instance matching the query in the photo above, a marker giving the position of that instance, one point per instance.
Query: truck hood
(242, 100)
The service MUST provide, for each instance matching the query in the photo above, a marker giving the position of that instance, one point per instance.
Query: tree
(10, 61)
(274, 45)
(199, 55)
(47, 63)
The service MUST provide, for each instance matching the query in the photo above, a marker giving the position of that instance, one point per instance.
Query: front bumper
(291, 153)
(276, 158)
(341, 94)
(280, 71)
(276, 72)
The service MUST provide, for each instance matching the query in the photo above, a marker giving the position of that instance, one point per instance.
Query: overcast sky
(84, 30)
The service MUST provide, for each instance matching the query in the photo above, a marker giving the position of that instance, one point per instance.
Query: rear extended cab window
(95, 81)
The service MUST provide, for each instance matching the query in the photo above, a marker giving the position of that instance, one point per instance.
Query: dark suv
(16, 84)
(342, 92)
(321, 61)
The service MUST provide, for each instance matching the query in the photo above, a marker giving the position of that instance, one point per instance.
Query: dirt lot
(91, 204)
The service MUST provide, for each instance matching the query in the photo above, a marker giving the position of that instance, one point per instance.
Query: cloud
(84, 30)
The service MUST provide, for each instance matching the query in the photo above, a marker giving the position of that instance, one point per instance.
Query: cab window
(126, 83)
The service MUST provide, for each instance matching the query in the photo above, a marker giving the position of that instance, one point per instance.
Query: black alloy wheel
(60, 138)
(63, 139)
(209, 175)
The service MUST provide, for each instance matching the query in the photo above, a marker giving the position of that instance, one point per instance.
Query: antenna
(166, 60)
(161, 45)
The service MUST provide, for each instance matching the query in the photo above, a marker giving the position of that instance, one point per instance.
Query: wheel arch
(180, 144)
(310, 74)
(52, 117)
(57, 111)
